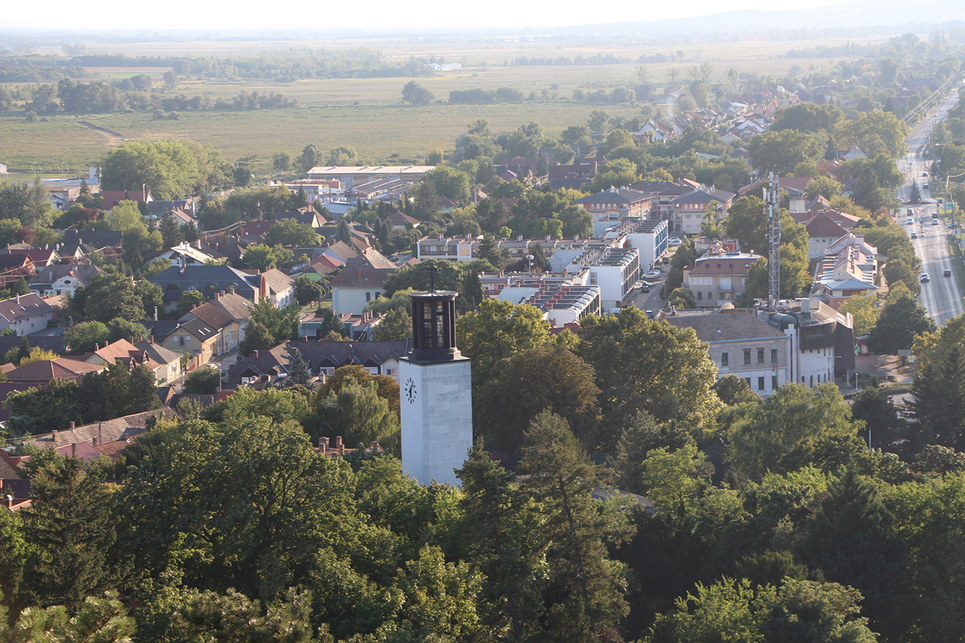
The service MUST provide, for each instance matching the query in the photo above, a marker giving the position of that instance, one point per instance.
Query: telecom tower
(773, 214)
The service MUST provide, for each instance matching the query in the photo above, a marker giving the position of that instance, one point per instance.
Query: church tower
(436, 389)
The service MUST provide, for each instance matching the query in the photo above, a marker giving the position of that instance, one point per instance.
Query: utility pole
(771, 197)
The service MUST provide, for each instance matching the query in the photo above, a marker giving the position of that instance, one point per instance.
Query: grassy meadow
(367, 114)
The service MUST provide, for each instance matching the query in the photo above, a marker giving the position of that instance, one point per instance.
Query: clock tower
(435, 383)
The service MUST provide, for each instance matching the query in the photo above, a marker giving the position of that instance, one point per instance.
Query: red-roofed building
(110, 198)
(43, 372)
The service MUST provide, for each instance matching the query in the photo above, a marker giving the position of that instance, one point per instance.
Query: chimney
(100, 433)
(9, 501)
(72, 426)
(323, 444)
(73, 449)
(53, 436)
(339, 447)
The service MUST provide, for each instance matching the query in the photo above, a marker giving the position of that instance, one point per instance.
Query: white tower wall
(436, 403)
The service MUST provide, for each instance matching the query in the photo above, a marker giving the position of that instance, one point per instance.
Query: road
(942, 296)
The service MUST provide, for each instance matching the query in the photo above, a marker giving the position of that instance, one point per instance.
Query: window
(724, 359)
(747, 356)
(773, 356)
(773, 382)
(368, 296)
(748, 380)
(760, 383)
(180, 340)
(592, 278)
(812, 381)
(700, 295)
(760, 355)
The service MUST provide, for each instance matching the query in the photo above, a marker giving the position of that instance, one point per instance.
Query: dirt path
(114, 137)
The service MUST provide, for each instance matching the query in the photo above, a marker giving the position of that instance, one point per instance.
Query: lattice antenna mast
(771, 197)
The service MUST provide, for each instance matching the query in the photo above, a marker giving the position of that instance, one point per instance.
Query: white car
(653, 274)
(674, 241)
(910, 222)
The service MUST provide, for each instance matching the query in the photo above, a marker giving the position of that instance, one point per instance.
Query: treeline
(295, 65)
(480, 96)
(596, 59)
(102, 98)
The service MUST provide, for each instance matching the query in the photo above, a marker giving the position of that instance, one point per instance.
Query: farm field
(367, 113)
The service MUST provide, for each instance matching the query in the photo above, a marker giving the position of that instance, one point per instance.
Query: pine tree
(298, 372)
(584, 589)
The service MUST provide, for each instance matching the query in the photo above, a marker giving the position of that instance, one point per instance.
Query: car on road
(924, 173)
(650, 314)
(914, 235)
(934, 221)
(674, 241)
(653, 274)
(923, 278)
(924, 186)
(910, 221)
(911, 211)
(946, 273)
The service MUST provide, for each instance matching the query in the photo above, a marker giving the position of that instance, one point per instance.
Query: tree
(523, 385)
(822, 186)
(780, 152)
(189, 299)
(864, 309)
(496, 331)
(509, 549)
(940, 378)
(732, 390)
(257, 338)
(850, 540)
(395, 326)
(171, 234)
(874, 131)
(72, 532)
(867, 193)
(642, 365)
(169, 169)
(416, 94)
(86, 337)
(584, 588)
(260, 257)
(110, 295)
(28, 204)
(310, 157)
(793, 419)
(298, 373)
(203, 380)
(898, 324)
(288, 232)
(307, 290)
(359, 413)
(799, 611)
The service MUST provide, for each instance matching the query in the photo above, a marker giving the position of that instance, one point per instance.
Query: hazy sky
(374, 14)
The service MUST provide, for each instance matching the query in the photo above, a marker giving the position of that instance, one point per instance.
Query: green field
(367, 113)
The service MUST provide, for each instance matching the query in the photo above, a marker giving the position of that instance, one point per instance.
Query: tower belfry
(435, 383)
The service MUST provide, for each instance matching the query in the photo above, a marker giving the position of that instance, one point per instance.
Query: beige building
(719, 279)
(741, 344)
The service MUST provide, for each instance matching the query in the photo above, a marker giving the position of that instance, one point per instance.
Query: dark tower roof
(434, 327)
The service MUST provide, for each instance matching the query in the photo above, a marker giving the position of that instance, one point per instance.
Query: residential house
(183, 254)
(63, 279)
(305, 216)
(123, 429)
(562, 300)
(110, 198)
(822, 339)
(718, 279)
(741, 344)
(41, 257)
(229, 314)
(611, 206)
(613, 270)
(822, 232)
(378, 358)
(167, 363)
(690, 208)
(849, 267)
(260, 369)
(13, 267)
(360, 281)
(275, 286)
(43, 372)
(193, 336)
(207, 280)
(25, 314)
(574, 176)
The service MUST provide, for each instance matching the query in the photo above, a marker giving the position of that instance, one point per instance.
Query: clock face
(410, 391)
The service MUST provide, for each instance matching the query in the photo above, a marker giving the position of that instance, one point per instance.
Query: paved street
(942, 297)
